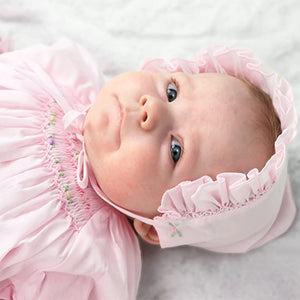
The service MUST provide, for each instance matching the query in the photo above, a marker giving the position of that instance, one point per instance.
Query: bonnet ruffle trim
(230, 190)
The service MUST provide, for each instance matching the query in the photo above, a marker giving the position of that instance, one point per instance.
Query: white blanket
(121, 34)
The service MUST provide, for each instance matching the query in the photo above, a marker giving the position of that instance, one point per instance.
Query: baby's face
(147, 132)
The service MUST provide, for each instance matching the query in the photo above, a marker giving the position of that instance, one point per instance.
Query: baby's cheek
(129, 186)
(121, 188)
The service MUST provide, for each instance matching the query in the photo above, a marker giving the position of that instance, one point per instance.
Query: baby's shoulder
(64, 66)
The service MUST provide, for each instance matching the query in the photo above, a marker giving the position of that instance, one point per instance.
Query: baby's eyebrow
(160, 84)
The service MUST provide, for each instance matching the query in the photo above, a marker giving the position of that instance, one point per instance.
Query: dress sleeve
(69, 66)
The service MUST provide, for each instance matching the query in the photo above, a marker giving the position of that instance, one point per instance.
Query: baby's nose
(151, 112)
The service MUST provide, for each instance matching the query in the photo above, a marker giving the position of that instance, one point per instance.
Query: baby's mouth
(121, 115)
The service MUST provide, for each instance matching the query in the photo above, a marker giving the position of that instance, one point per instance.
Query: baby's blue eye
(175, 150)
(171, 92)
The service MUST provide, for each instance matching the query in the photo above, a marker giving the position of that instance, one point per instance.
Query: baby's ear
(146, 231)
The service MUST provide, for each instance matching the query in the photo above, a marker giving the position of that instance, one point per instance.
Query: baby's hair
(267, 119)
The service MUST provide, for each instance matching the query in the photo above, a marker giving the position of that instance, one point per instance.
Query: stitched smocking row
(62, 149)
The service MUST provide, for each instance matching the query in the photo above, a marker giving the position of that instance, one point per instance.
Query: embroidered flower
(52, 141)
(175, 230)
(61, 173)
(68, 194)
(52, 119)
(57, 160)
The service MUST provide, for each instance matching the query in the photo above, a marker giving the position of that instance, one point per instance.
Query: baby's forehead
(222, 91)
(229, 87)
(222, 80)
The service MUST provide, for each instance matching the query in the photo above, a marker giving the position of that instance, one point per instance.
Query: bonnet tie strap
(82, 166)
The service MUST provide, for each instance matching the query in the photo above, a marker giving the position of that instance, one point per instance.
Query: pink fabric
(5, 45)
(56, 239)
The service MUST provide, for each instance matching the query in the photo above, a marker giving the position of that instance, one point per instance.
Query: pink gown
(57, 241)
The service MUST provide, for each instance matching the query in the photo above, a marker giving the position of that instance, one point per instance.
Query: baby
(193, 151)
(153, 130)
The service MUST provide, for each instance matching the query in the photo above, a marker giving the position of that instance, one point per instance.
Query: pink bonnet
(236, 212)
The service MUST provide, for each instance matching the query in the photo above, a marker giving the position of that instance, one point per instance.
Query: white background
(120, 35)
